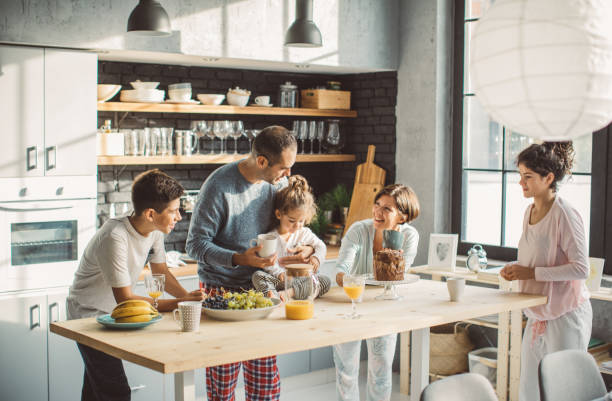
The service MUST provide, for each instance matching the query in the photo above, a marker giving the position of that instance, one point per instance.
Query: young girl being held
(552, 261)
(294, 207)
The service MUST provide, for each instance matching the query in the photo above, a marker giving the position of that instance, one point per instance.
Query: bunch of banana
(133, 311)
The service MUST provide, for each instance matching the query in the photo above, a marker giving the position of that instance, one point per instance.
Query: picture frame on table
(442, 253)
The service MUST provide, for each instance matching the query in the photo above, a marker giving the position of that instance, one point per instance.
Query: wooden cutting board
(369, 179)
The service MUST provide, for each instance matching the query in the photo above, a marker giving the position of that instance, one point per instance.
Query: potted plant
(327, 204)
(342, 200)
(319, 224)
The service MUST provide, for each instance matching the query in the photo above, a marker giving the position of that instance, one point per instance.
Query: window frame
(600, 243)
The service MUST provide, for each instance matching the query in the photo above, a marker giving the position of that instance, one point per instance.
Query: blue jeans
(380, 360)
(104, 378)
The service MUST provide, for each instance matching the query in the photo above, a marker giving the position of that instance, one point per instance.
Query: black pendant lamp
(303, 32)
(149, 19)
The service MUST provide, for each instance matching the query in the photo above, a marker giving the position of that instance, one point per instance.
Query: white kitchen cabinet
(48, 112)
(23, 341)
(70, 112)
(65, 363)
(22, 110)
(36, 364)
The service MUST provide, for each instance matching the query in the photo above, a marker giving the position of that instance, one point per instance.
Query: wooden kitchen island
(162, 347)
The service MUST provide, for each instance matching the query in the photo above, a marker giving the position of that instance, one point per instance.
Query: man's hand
(197, 295)
(300, 254)
(250, 258)
(517, 272)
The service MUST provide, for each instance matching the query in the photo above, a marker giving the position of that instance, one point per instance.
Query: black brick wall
(373, 96)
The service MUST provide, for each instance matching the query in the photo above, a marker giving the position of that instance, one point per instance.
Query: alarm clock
(477, 259)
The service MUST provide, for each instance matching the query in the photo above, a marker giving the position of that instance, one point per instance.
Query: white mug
(268, 243)
(189, 315)
(455, 286)
(262, 100)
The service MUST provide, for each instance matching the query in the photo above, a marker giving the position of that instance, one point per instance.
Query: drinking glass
(210, 134)
(353, 286)
(236, 133)
(154, 284)
(251, 134)
(198, 128)
(303, 133)
(221, 130)
(312, 134)
(320, 133)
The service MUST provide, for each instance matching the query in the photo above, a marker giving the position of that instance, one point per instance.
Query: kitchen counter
(191, 269)
(425, 304)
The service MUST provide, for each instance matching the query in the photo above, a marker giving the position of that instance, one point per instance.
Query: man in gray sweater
(235, 205)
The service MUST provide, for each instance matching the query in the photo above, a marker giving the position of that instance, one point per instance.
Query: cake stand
(389, 286)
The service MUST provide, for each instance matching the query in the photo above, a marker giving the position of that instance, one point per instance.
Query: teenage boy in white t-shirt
(109, 270)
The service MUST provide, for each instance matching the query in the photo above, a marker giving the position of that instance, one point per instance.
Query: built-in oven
(42, 238)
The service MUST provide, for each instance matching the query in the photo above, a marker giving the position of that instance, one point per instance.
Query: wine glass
(154, 284)
(302, 134)
(237, 132)
(220, 128)
(320, 133)
(353, 286)
(210, 134)
(312, 134)
(199, 129)
(251, 134)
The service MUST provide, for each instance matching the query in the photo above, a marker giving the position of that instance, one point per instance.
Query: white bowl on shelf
(144, 85)
(142, 95)
(237, 100)
(182, 95)
(107, 91)
(211, 99)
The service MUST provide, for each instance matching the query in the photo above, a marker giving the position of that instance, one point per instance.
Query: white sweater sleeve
(572, 242)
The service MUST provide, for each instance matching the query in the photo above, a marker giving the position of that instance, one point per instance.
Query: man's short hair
(154, 189)
(271, 142)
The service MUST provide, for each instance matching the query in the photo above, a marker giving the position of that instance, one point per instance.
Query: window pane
(577, 191)
(584, 151)
(515, 143)
(516, 204)
(482, 209)
(482, 137)
(475, 8)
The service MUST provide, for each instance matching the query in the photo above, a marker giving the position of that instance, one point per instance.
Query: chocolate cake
(389, 265)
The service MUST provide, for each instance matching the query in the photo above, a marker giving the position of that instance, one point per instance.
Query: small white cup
(262, 100)
(268, 241)
(189, 315)
(456, 286)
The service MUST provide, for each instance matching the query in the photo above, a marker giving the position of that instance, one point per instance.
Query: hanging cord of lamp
(303, 32)
(149, 19)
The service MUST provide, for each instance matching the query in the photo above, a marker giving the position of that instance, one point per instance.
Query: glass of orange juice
(353, 286)
(154, 284)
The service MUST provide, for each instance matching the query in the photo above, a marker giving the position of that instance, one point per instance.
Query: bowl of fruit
(234, 306)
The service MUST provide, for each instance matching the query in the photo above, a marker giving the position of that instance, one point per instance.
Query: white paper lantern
(544, 67)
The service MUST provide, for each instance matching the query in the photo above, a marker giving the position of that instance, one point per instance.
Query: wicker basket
(449, 347)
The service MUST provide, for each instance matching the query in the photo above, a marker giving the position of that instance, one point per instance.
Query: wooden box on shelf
(326, 99)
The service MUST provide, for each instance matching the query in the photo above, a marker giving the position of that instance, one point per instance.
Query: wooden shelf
(211, 159)
(206, 109)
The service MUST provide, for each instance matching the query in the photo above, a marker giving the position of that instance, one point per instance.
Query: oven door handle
(41, 209)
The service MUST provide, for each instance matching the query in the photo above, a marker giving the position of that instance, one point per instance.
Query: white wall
(356, 33)
(423, 153)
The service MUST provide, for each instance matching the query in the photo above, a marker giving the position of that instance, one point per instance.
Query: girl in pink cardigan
(552, 261)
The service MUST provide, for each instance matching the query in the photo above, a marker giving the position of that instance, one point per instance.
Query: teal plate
(108, 321)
